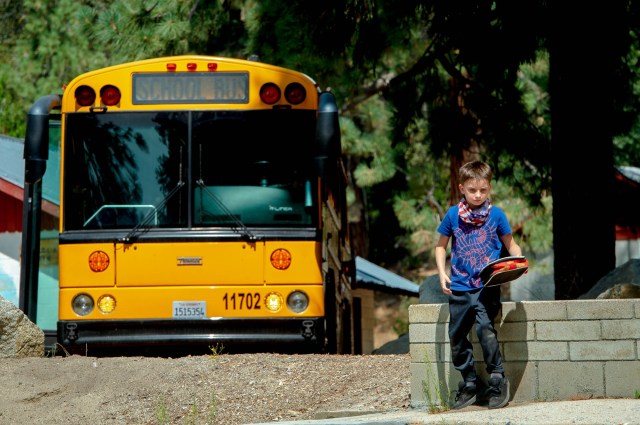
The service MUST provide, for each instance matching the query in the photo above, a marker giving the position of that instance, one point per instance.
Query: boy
(478, 231)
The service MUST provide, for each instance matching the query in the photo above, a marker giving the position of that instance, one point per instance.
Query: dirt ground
(226, 389)
(214, 388)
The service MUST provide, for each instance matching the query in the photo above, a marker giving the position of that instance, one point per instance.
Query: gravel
(228, 389)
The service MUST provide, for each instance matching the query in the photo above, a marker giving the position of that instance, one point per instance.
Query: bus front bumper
(305, 334)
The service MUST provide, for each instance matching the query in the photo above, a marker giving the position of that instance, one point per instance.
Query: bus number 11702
(241, 301)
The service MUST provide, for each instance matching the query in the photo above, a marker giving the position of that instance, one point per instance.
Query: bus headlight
(82, 304)
(297, 301)
(106, 304)
(273, 302)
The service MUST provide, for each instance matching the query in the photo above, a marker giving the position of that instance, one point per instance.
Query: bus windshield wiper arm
(143, 225)
(243, 230)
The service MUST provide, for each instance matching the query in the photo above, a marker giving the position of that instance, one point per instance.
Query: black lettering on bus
(142, 89)
(241, 301)
(238, 88)
(165, 89)
(195, 89)
(217, 88)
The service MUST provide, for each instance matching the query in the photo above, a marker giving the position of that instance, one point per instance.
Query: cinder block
(426, 332)
(428, 313)
(621, 329)
(600, 309)
(428, 353)
(577, 330)
(535, 350)
(570, 380)
(602, 350)
(516, 331)
(622, 379)
(523, 311)
(523, 380)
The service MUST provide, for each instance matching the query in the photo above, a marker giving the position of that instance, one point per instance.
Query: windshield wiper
(144, 224)
(241, 228)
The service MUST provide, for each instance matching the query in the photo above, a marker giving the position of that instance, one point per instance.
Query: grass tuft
(436, 402)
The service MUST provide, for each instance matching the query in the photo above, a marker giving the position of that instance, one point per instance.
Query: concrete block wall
(552, 350)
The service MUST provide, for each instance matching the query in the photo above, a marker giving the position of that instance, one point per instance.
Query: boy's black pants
(479, 306)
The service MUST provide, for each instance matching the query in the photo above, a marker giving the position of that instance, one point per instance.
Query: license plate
(189, 309)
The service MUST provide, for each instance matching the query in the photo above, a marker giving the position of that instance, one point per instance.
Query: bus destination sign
(192, 87)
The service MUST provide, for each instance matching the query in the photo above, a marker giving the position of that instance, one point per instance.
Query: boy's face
(475, 192)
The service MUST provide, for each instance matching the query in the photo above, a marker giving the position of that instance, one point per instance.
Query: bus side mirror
(328, 148)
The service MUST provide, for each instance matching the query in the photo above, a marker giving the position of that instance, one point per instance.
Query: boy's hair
(475, 170)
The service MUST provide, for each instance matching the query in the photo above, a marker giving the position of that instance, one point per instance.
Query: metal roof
(11, 160)
(12, 167)
(372, 276)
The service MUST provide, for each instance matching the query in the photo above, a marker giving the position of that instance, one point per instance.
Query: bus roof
(189, 82)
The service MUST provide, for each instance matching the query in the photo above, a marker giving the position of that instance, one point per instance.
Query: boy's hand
(444, 281)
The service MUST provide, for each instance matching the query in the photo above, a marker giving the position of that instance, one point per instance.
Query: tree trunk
(583, 59)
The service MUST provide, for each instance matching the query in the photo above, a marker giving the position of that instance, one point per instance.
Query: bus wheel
(330, 313)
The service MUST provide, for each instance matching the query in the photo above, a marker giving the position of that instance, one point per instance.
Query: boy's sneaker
(498, 391)
(465, 396)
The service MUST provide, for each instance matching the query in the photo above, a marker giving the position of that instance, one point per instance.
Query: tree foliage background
(424, 86)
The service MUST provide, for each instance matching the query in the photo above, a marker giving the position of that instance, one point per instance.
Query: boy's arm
(441, 261)
(511, 245)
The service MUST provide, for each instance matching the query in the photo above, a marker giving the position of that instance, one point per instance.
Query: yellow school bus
(203, 202)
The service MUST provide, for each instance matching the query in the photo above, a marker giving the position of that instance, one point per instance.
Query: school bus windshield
(188, 169)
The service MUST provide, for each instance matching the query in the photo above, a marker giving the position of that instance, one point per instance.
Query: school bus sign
(196, 87)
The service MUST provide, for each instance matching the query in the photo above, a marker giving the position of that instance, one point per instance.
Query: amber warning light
(98, 261)
(281, 259)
